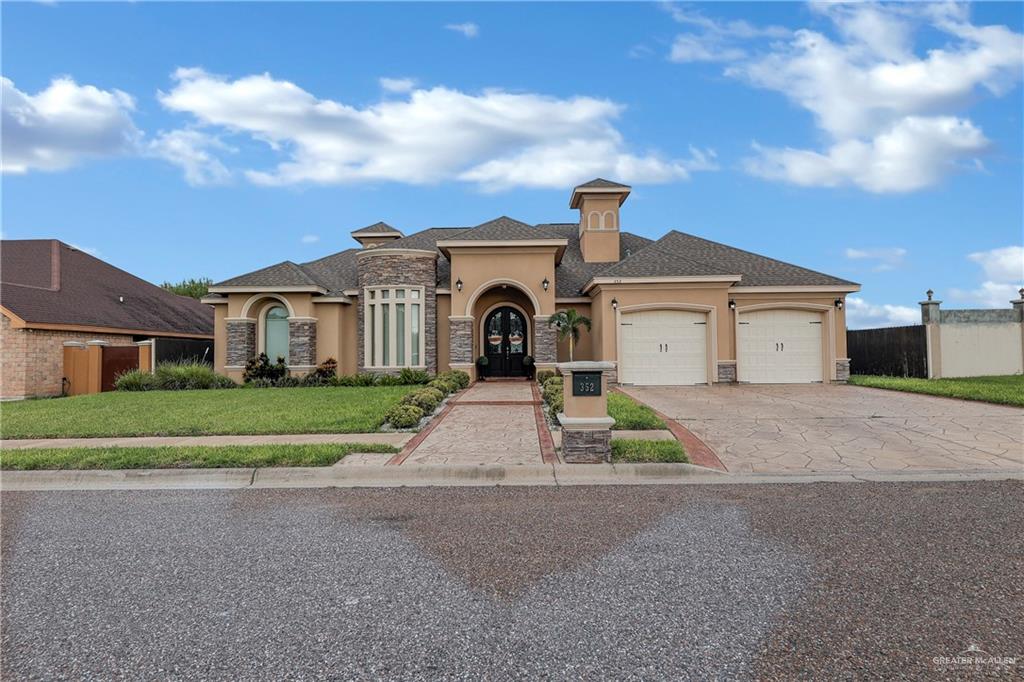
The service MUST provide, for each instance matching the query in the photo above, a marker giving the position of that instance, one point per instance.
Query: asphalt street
(648, 582)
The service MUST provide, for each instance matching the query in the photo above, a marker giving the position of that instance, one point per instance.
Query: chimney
(599, 201)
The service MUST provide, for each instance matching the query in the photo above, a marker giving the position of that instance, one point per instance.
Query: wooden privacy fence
(93, 367)
(892, 351)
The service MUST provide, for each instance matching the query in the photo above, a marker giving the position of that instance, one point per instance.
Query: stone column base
(586, 447)
(727, 372)
(842, 370)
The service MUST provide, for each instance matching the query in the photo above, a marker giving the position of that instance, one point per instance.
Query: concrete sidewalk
(395, 439)
(442, 475)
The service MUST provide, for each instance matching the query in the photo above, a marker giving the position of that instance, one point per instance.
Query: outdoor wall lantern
(839, 303)
(732, 304)
(615, 304)
(545, 284)
(458, 284)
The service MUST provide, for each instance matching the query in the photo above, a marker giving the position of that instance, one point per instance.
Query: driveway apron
(829, 428)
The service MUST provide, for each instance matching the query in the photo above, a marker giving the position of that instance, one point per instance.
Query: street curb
(426, 475)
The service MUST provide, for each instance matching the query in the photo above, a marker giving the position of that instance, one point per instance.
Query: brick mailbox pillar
(586, 426)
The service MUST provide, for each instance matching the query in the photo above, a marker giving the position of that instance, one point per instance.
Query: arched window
(275, 341)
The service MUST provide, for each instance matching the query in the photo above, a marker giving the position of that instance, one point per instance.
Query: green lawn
(194, 457)
(1007, 390)
(630, 415)
(197, 413)
(648, 451)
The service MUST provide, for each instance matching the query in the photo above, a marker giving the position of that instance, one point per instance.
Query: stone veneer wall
(842, 370)
(241, 342)
(461, 341)
(545, 340)
(581, 447)
(381, 268)
(727, 372)
(302, 342)
(32, 360)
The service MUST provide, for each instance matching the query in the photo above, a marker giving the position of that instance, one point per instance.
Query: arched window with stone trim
(275, 331)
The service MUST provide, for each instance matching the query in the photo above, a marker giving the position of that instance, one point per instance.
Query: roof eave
(597, 281)
(268, 288)
(577, 194)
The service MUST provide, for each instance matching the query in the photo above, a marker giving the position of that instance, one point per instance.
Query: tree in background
(193, 288)
(568, 323)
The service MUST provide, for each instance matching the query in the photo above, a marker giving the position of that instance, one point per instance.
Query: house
(678, 310)
(53, 297)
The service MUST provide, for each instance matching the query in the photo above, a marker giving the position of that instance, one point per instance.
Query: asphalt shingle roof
(376, 228)
(48, 282)
(505, 229)
(285, 274)
(601, 183)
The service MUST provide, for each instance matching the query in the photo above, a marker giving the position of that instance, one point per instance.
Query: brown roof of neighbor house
(674, 255)
(45, 281)
(377, 228)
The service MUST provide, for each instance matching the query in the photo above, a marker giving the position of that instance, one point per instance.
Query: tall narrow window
(414, 320)
(371, 333)
(385, 334)
(400, 333)
(275, 340)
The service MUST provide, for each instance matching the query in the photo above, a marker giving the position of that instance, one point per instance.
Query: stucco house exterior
(673, 311)
(54, 296)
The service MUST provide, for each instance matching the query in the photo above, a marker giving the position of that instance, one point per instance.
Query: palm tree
(568, 323)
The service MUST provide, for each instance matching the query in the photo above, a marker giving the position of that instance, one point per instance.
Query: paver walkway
(827, 428)
(493, 422)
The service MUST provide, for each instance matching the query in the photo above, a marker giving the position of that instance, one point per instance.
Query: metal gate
(116, 360)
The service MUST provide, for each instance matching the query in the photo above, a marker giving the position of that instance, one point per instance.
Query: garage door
(780, 347)
(664, 348)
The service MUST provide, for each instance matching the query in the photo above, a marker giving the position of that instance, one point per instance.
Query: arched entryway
(506, 341)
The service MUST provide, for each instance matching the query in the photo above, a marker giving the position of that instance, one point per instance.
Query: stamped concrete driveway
(828, 428)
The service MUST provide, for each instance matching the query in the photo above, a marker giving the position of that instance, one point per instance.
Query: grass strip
(630, 450)
(630, 415)
(1002, 390)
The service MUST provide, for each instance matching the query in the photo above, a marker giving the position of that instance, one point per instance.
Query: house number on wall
(586, 383)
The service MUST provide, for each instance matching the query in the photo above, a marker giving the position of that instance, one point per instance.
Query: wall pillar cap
(147, 342)
(585, 423)
(586, 366)
(74, 344)
(97, 342)
(240, 319)
(929, 302)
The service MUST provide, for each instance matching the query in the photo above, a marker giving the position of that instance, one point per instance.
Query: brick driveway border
(799, 429)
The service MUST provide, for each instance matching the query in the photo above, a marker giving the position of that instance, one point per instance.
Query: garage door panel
(663, 347)
(780, 347)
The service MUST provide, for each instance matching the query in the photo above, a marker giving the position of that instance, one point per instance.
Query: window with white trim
(394, 319)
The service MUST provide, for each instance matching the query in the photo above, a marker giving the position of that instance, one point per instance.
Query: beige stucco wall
(971, 350)
(444, 309)
(585, 347)
(599, 245)
(486, 267)
(329, 334)
(220, 338)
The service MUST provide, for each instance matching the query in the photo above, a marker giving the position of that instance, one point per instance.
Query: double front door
(505, 342)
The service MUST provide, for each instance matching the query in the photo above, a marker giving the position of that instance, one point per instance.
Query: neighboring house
(678, 310)
(52, 294)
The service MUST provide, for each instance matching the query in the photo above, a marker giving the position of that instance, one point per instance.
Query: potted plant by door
(481, 367)
(528, 365)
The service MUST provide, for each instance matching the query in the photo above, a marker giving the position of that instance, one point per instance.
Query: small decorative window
(394, 323)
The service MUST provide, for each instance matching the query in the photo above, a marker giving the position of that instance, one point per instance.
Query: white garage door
(664, 348)
(780, 347)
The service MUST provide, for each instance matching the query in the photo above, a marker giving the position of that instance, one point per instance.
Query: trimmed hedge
(426, 399)
(543, 375)
(455, 376)
(403, 416)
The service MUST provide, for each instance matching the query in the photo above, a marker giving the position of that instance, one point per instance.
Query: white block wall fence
(970, 343)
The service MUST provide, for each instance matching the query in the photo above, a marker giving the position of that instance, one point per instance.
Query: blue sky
(881, 143)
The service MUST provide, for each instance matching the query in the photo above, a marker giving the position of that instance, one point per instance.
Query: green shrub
(438, 395)
(551, 390)
(543, 375)
(410, 376)
(364, 379)
(185, 376)
(136, 380)
(553, 380)
(403, 416)
(457, 377)
(444, 386)
(425, 399)
(389, 380)
(556, 404)
(288, 382)
(260, 367)
(324, 375)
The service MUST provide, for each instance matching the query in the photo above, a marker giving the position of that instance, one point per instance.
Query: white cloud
(468, 29)
(310, 239)
(495, 138)
(190, 150)
(703, 48)
(889, 114)
(397, 84)
(715, 41)
(861, 314)
(57, 127)
(885, 258)
(1003, 270)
